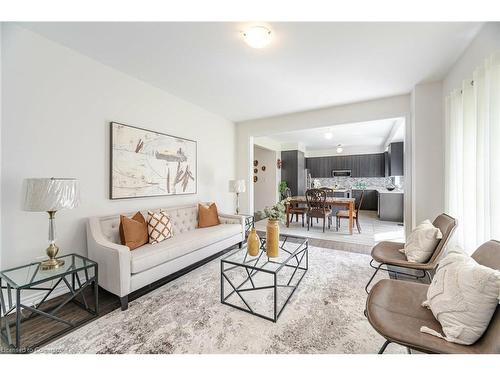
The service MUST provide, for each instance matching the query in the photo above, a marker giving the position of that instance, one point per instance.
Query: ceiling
(306, 66)
(356, 135)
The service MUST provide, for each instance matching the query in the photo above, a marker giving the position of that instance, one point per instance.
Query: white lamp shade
(237, 186)
(50, 194)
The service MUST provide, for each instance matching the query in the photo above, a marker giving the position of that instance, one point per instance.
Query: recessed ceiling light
(328, 135)
(339, 149)
(257, 36)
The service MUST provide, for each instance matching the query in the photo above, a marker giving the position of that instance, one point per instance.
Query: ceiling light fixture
(328, 135)
(339, 149)
(257, 36)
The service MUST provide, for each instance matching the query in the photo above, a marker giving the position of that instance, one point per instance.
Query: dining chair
(394, 310)
(330, 194)
(317, 207)
(386, 253)
(295, 209)
(344, 214)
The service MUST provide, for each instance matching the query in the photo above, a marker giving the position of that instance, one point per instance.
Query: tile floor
(373, 231)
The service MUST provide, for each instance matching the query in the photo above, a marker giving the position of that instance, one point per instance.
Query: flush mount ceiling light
(257, 36)
(339, 149)
(328, 135)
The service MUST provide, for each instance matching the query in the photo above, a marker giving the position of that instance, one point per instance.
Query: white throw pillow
(422, 242)
(463, 297)
(159, 226)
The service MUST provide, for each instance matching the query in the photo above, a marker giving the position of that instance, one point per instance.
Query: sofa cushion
(159, 226)
(151, 255)
(207, 215)
(134, 231)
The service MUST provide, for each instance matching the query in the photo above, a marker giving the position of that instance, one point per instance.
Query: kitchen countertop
(385, 191)
(380, 189)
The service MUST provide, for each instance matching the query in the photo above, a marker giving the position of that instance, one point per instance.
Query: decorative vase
(272, 238)
(253, 244)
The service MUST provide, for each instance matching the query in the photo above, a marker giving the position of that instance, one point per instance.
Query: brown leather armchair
(394, 310)
(387, 253)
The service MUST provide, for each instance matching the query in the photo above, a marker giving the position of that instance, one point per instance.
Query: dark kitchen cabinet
(293, 171)
(386, 164)
(396, 159)
(371, 165)
(370, 199)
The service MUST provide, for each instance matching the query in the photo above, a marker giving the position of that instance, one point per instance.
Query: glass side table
(77, 274)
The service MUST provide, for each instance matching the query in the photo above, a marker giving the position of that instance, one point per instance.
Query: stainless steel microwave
(341, 173)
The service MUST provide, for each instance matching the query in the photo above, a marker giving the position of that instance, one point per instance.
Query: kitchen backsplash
(350, 182)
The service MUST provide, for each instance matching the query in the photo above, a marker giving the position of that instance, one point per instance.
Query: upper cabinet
(371, 165)
(395, 159)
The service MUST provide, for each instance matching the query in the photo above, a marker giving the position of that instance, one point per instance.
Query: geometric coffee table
(260, 285)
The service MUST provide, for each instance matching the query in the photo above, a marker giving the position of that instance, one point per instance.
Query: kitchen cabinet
(370, 199)
(293, 171)
(386, 164)
(370, 165)
(390, 206)
(396, 159)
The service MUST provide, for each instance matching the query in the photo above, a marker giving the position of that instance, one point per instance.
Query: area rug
(325, 315)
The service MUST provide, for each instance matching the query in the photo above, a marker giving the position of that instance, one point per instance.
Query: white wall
(428, 161)
(484, 44)
(57, 105)
(397, 106)
(266, 187)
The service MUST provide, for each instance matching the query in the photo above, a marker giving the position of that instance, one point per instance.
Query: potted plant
(281, 188)
(274, 215)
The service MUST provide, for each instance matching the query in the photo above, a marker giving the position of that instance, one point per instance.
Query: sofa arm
(113, 260)
(234, 219)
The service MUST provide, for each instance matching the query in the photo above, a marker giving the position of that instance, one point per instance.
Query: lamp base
(51, 264)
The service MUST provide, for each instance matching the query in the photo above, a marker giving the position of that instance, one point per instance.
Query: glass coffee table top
(289, 246)
(31, 274)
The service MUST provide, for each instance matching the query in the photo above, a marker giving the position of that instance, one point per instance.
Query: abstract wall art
(146, 163)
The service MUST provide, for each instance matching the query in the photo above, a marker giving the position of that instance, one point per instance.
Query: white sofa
(122, 271)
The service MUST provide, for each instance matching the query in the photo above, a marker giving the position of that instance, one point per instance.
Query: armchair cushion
(422, 242)
(463, 297)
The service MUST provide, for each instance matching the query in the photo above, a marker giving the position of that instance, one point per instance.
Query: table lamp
(50, 195)
(237, 186)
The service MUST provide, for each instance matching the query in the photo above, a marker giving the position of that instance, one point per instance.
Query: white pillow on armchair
(422, 242)
(463, 297)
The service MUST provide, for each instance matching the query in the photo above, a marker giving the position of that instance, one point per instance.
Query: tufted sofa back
(184, 218)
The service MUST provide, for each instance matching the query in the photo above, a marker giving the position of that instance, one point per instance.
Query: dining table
(346, 203)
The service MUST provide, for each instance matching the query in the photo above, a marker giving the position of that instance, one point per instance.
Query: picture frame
(148, 163)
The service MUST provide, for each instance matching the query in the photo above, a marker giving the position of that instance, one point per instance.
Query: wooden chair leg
(308, 220)
(324, 225)
(357, 224)
(302, 220)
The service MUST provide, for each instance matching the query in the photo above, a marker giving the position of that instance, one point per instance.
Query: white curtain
(472, 163)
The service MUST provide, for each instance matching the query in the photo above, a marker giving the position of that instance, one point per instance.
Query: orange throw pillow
(207, 216)
(134, 231)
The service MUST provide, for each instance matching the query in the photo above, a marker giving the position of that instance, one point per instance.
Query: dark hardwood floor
(37, 331)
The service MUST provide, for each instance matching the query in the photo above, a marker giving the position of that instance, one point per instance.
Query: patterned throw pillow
(159, 226)
(463, 297)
